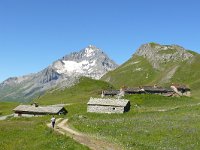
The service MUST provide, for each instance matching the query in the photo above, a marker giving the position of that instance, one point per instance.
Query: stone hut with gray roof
(35, 110)
(100, 105)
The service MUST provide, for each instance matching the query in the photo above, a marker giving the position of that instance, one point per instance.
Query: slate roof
(136, 89)
(154, 89)
(108, 102)
(181, 87)
(39, 109)
(111, 92)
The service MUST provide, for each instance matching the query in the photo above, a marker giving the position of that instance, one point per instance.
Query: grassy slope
(33, 134)
(128, 75)
(79, 93)
(189, 74)
(144, 127)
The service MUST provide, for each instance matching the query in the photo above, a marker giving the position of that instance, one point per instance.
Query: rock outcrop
(157, 54)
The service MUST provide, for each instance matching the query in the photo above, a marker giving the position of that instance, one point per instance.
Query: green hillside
(129, 73)
(79, 93)
(140, 70)
(189, 73)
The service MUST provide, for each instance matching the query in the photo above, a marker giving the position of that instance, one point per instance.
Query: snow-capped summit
(90, 50)
(90, 62)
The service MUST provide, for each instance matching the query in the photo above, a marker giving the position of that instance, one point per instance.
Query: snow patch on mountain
(89, 51)
(70, 67)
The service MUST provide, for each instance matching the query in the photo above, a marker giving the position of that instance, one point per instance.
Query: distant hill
(90, 62)
(158, 64)
(79, 93)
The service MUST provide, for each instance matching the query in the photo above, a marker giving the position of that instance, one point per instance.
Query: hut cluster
(105, 104)
(173, 90)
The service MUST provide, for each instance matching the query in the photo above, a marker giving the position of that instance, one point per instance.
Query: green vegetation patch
(168, 51)
(33, 134)
(6, 108)
(136, 71)
(153, 44)
(79, 93)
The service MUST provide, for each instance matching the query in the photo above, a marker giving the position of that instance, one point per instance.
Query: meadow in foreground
(150, 125)
(33, 134)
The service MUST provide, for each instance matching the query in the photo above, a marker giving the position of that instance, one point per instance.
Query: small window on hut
(113, 108)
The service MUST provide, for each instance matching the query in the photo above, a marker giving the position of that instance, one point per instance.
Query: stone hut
(135, 90)
(100, 105)
(181, 90)
(110, 92)
(35, 110)
(154, 89)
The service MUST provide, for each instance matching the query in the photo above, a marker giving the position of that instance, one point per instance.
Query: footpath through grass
(33, 134)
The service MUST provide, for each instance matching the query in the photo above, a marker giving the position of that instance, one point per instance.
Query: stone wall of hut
(105, 109)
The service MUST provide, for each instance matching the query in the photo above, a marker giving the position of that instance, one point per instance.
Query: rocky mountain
(153, 63)
(157, 54)
(65, 72)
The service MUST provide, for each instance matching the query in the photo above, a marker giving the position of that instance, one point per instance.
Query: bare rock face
(157, 54)
(65, 72)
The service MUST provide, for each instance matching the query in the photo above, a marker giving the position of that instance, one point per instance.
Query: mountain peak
(92, 46)
(90, 50)
(157, 54)
(89, 62)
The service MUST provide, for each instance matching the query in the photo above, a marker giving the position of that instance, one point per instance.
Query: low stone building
(154, 89)
(135, 90)
(35, 110)
(100, 105)
(181, 90)
(110, 93)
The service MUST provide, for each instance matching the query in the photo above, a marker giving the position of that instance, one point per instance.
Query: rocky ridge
(157, 54)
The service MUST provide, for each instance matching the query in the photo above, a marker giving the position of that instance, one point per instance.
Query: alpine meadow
(99, 75)
(154, 121)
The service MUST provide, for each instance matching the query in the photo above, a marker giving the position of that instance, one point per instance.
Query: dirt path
(91, 142)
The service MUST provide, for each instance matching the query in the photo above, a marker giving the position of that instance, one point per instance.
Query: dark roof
(181, 87)
(108, 102)
(136, 89)
(111, 92)
(39, 109)
(169, 90)
(154, 89)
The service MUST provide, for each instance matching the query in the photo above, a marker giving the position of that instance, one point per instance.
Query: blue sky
(34, 33)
